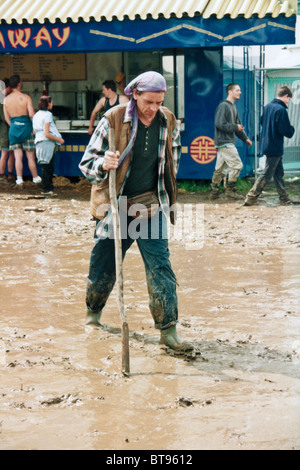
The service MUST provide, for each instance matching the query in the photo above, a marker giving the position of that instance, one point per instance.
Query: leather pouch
(143, 205)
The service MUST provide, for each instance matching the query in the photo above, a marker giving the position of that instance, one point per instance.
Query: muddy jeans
(273, 168)
(161, 280)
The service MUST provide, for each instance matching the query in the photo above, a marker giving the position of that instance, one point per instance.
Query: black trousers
(47, 175)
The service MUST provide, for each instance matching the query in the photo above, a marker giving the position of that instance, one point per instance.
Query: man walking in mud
(147, 139)
(275, 126)
(227, 126)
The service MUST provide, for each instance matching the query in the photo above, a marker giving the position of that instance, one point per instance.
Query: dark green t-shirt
(144, 161)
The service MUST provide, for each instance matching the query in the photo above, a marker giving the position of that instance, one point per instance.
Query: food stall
(70, 48)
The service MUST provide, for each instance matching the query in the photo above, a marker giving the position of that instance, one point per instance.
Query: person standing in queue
(7, 156)
(46, 138)
(18, 112)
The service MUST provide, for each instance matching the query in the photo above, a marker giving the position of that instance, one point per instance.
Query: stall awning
(117, 25)
(41, 11)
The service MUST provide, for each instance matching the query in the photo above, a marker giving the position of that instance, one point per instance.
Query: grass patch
(203, 186)
(293, 188)
(243, 186)
(194, 186)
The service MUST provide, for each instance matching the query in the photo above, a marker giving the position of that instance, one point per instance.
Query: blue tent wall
(203, 92)
(202, 41)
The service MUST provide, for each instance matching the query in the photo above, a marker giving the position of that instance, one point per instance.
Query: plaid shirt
(92, 160)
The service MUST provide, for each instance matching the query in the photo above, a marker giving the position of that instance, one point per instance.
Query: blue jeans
(161, 280)
(273, 168)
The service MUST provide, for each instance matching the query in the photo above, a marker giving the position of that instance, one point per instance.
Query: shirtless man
(110, 99)
(18, 112)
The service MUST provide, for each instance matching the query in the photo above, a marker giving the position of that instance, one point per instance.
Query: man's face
(105, 91)
(148, 103)
(235, 92)
(286, 99)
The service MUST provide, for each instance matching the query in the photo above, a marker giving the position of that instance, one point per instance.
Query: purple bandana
(147, 81)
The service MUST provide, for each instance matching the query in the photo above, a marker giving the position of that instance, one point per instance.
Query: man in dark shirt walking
(275, 126)
(227, 126)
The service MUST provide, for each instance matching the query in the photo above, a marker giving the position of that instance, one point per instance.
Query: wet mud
(62, 385)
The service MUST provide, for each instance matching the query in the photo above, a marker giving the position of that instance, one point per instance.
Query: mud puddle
(238, 287)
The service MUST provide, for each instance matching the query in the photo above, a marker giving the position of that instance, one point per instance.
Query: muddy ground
(238, 287)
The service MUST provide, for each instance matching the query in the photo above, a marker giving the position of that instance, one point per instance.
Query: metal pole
(255, 124)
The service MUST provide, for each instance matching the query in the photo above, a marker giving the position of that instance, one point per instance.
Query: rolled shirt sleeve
(92, 160)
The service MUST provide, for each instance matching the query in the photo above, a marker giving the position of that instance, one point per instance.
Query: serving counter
(68, 156)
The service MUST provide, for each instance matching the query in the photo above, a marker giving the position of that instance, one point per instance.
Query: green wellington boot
(170, 338)
(93, 318)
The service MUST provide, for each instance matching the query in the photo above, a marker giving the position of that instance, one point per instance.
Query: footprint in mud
(67, 399)
(187, 355)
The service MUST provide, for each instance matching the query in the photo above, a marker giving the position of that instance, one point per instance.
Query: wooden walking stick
(118, 258)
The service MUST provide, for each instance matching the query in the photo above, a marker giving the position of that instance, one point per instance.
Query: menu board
(44, 67)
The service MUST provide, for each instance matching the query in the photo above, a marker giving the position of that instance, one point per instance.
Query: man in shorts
(18, 112)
